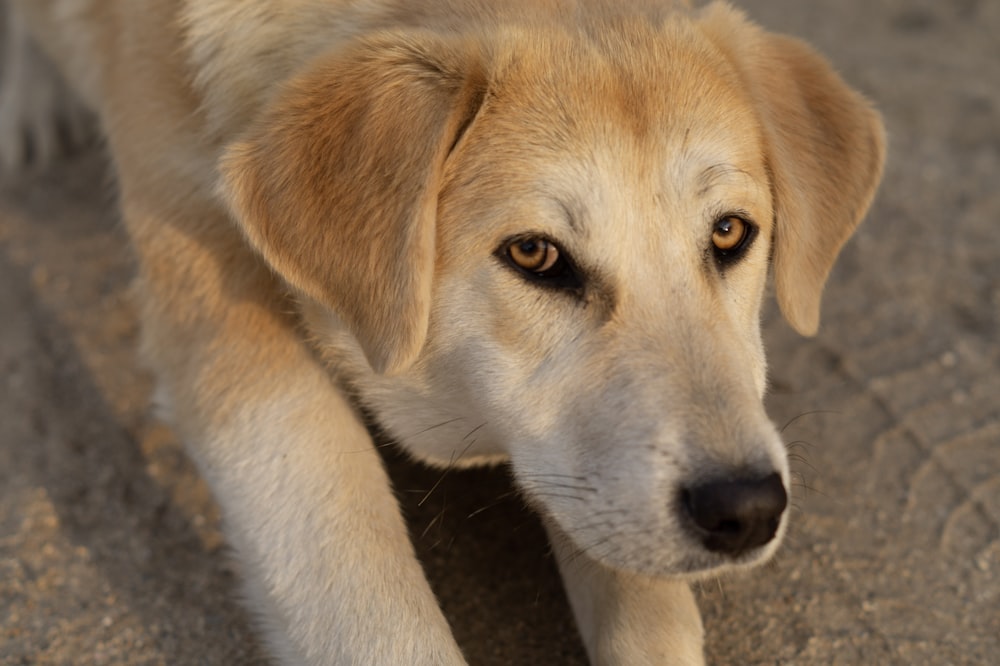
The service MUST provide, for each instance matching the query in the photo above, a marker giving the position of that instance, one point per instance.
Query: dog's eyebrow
(571, 216)
(711, 176)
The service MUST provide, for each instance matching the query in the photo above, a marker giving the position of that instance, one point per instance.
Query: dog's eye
(534, 255)
(731, 236)
(728, 233)
(542, 261)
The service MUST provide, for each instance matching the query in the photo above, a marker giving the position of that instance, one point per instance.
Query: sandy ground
(109, 544)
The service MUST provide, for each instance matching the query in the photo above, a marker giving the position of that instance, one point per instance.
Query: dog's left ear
(336, 185)
(826, 150)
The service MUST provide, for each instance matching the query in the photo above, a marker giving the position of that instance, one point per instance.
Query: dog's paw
(40, 117)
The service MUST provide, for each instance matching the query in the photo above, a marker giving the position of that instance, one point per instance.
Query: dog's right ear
(336, 185)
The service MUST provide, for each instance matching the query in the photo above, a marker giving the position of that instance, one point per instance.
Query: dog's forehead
(634, 75)
(646, 117)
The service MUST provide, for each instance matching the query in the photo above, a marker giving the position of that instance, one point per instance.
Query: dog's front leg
(627, 619)
(309, 509)
(328, 564)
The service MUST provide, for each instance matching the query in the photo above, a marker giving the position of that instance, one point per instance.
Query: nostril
(734, 516)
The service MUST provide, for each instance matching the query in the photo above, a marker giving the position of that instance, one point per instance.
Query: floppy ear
(826, 149)
(336, 185)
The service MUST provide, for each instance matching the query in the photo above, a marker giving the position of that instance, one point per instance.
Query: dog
(552, 221)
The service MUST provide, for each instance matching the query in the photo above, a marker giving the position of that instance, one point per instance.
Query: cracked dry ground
(109, 544)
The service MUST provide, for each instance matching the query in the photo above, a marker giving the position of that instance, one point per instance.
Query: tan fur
(404, 97)
(353, 170)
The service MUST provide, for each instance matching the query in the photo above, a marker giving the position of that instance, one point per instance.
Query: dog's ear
(826, 149)
(336, 185)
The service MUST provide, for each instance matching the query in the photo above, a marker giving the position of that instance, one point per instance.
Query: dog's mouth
(709, 527)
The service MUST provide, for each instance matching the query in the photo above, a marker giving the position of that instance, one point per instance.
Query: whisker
(499, 500)
(434, 427)
(810, 413)
(605, 512)
(593, 525)
(621, 528)
(435, 486)
(812, 489)
(431, 524)
(566, 486)
(800, 442)
(556, 495)
(802, 461)
(450, 466)
(474, 431)
(553, 476)
(582, 550)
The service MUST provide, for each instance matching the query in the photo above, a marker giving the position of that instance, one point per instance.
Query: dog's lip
(694, 562)
(707, 564)
(695, 566)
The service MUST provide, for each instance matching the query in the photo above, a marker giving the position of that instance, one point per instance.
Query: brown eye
(534, 255)
(729, 233)
(542, 262)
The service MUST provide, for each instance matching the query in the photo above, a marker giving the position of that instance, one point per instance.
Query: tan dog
(550, 221)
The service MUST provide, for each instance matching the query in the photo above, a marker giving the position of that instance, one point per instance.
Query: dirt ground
(109, 545)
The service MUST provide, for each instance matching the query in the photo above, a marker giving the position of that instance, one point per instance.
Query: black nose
(733, 516)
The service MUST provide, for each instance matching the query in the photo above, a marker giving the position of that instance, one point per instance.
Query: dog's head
(553, 242)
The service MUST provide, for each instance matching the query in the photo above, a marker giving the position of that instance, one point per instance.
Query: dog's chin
(700, 568)
(692, 563)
